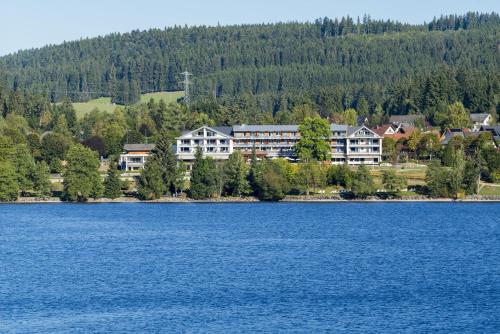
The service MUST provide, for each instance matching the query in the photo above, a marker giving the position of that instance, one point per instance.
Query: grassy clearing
(105, 104)
(413, 175)
(168, 97)
(493, 190)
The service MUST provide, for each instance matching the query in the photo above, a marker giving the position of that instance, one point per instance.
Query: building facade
(273, 141)
(215, 142)
(349, 145)
(135, 156)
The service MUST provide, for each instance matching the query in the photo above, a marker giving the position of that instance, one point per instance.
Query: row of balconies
(368, 142)
(333, 140)
(267, 145)
(187, 150)
(260, 135)
(205, 142)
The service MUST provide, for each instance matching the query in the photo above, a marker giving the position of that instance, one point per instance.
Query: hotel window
(200, 133)
(186, 142)
(223, 142)
(210, 134)
(212, 142)
(210, 149)
(184, 149)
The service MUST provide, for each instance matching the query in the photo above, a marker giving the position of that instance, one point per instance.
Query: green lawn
(104, 103)
(490, 190)
(413, 176)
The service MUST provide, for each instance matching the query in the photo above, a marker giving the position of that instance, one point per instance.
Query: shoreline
(289, 199)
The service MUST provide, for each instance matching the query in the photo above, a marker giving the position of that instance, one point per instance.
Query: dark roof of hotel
(270, 128)
(227, 130)
(338, 127)
(138, 147)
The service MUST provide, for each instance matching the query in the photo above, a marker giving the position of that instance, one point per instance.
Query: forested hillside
(331, 64)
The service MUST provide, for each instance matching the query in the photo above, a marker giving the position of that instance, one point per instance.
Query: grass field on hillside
(105, 104)
(168, 97)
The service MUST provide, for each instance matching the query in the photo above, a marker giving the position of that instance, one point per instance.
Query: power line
(67, 92)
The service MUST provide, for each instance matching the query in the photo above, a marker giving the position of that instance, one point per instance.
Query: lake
(224, 268)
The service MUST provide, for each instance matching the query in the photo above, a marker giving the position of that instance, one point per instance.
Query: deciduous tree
(271, 182)
(392, 182)
(314, 140)
(81, 178)
(362, 183)
(9, 188)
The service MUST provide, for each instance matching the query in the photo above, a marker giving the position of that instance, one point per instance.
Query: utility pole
(186, 83)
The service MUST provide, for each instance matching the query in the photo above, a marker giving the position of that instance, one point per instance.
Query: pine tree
(203, 177)
(165, 154)
(254, 170)
(457, 172)
(151, 184)
(112, 183)
(236, 175)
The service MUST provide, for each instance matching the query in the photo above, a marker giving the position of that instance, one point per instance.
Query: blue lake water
(224, 268)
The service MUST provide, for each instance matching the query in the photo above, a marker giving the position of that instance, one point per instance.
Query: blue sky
(35, 23)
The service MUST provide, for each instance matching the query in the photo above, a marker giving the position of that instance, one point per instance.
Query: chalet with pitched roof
(135, 156)
(479, 120)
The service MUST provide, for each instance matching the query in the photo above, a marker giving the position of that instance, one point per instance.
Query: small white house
(479, 120)
(135, 156)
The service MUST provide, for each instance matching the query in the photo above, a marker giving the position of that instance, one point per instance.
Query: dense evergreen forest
(265, 71)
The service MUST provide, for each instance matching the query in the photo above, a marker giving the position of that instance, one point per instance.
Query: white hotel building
(352, 145)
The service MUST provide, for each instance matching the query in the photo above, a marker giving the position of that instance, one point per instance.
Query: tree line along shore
(457, 170)
(330, 70)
